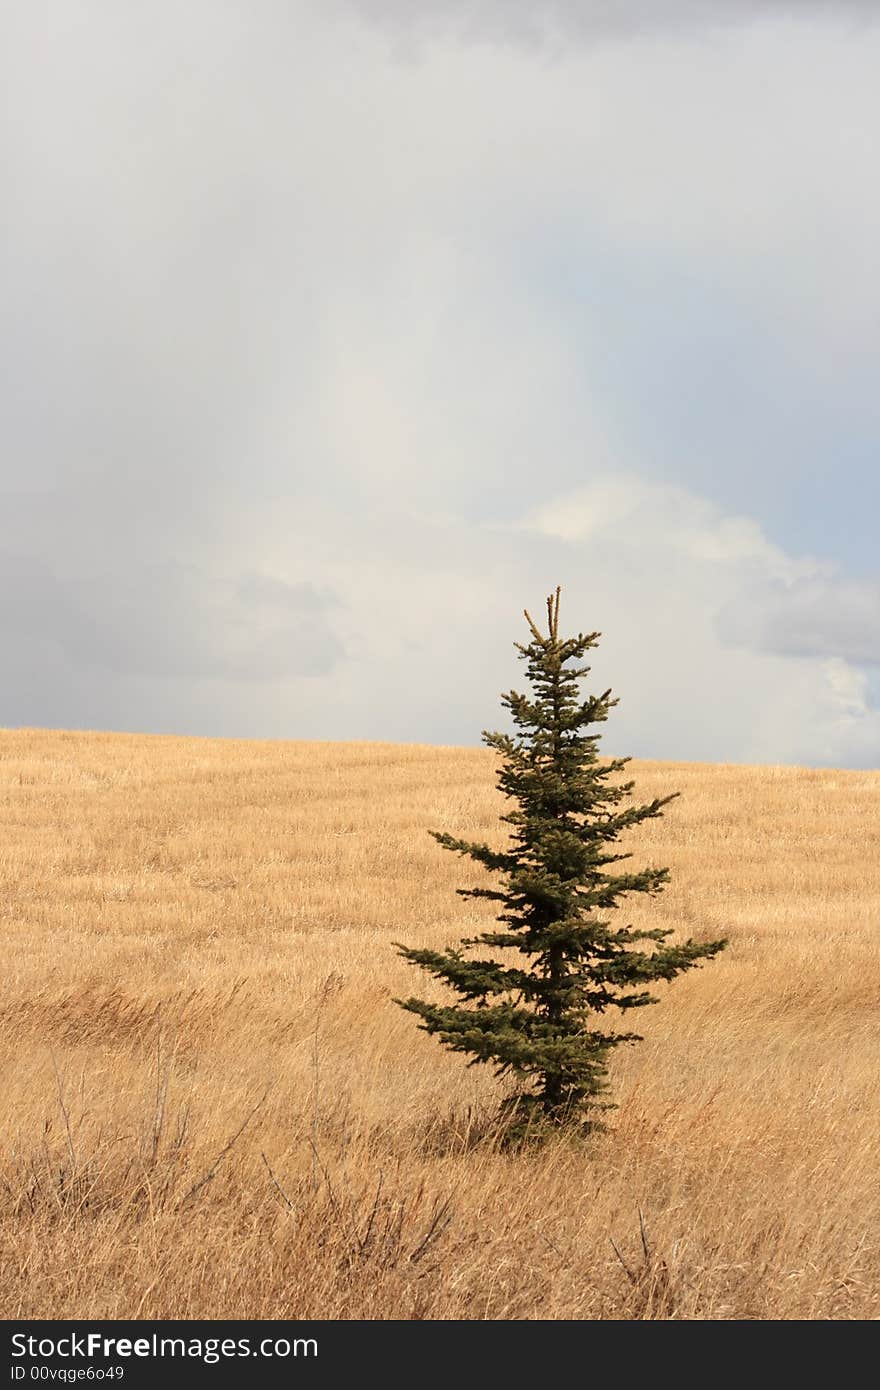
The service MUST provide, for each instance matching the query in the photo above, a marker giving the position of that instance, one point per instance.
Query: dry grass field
(212, 1107)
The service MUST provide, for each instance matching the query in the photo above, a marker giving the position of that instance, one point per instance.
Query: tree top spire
(552, 620)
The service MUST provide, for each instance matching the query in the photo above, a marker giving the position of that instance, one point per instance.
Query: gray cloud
(553, 21)
(820, 617)
(282, 319)
(166, 620)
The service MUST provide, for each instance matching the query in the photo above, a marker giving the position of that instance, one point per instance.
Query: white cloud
(674, 573)
(848, 688)
(433, 607)
(685, 523)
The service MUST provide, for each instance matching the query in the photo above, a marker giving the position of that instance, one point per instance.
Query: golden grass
(196, 937)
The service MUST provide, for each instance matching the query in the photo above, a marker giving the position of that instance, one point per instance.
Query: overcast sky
(333, 334)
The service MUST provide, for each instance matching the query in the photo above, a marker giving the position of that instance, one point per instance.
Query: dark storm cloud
(810, 618)
(167, 620)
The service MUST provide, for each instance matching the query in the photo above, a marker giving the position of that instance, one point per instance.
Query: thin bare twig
(363, 1241)
(197, 1187)
(325, 992)
(331, 1194)
(644, 1236)
(633, 1279)
(275, 1181)
(441, 1219)
(64, 1112)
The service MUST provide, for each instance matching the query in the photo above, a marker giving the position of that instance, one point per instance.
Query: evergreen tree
(536, 1016)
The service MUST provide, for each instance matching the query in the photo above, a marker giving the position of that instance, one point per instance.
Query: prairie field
(212, 1106)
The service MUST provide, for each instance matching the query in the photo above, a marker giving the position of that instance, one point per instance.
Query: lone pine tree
(537, 1019)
